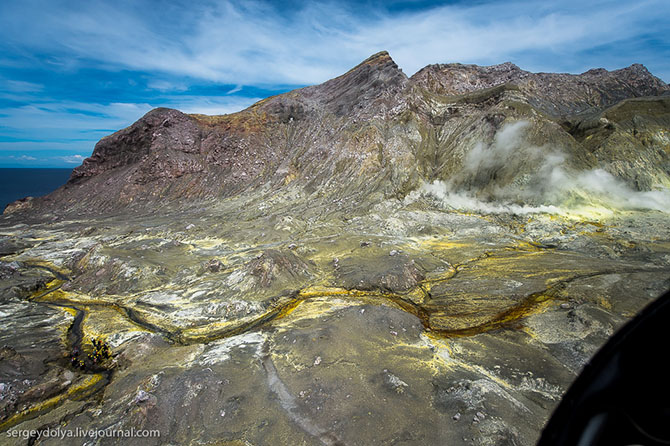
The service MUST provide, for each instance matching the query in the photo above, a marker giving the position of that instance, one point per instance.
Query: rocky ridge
(372, 124)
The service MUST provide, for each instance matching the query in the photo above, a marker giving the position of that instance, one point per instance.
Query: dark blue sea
(20, 183)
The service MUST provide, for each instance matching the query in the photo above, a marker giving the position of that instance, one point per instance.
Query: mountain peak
(375, 78)
(380, 57)
(381, 60)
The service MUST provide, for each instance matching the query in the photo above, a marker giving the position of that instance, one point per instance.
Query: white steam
(550, 187)
(505, 143)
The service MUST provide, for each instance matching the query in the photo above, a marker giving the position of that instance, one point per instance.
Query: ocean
(19, 183)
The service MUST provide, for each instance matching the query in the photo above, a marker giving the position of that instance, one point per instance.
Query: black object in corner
(622, 397)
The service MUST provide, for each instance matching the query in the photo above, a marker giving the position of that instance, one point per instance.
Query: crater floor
(271, 320)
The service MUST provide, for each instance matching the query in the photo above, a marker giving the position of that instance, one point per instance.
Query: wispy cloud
(53, 118)
(210, 105)
(163, 85)
(22, 86)
(57, 120)
(23, 158)
(234, 90)
(72, 71)
(255, 42)
(72, 159)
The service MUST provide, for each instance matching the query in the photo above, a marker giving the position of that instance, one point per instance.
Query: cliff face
(374, 130)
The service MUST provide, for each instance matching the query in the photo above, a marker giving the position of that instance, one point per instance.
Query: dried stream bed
(236, 324)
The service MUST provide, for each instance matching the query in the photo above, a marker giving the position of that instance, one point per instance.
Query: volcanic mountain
(373, 130)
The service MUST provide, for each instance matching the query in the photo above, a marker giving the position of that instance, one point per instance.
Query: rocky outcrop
(161, 135)
(553, 93)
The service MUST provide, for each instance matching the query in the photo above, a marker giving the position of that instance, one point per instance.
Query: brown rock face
(161, 135)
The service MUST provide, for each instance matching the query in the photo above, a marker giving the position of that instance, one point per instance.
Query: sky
(74, 71)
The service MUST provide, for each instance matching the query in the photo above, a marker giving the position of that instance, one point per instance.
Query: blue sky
(73, 71)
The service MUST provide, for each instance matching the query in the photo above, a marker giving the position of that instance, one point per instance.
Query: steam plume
(552, 187)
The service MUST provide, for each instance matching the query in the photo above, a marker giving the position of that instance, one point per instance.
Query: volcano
(375, 260)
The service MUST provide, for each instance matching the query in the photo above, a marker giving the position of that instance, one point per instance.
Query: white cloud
(72, 159)
(163, 85)
(55, 117)
(23, 158)
(22, 86)
(235, 90)
(253, 43)
(209, 105)
(58, 120)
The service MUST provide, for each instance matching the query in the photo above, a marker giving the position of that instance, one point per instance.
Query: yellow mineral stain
(289, 178)
(105, 321)
(75, 391)
(441, 244)
(489, 264)
(70, 311)
(49, 266)
(51, 287)
(604, 302)
(285, 311)
(207, 243)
